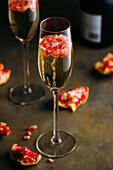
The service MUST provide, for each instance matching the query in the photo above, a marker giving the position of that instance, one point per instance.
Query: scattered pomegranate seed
(32, 127)
(27, 137)
(50, 160)
(29, 133)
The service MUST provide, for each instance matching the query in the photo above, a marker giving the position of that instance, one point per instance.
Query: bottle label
(91, 27)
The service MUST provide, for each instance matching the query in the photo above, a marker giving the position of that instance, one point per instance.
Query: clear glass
(55, 62)
(24, 20)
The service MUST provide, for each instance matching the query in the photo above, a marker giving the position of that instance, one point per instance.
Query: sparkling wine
(55, 61)
(24, 19)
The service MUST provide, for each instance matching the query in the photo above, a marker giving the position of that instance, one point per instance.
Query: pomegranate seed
(32, 127)
(1, 128)
(50, 160)
(25, 149)
(31, 159)
(8, 128)
(27, 137)
(26, 160)
(29, 133)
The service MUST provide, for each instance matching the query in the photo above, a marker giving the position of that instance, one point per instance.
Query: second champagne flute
(24, 19)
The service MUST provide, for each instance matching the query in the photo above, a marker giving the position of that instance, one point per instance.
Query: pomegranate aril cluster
(28, 156)
(4, 129)
(22, 5)
(57, 45)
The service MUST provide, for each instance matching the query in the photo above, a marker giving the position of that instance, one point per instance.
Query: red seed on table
(27, 137)
(50, 160)
(29, 133)
(32, 127)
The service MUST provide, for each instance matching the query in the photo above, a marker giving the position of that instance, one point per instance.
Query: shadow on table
(97, 76)
(48, 104)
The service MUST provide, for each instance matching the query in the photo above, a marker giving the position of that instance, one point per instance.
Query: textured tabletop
(91, 124)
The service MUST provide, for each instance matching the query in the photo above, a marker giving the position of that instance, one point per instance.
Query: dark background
(63, 8)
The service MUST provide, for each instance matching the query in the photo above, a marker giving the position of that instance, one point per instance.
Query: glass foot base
(49, 149)
(19, 96)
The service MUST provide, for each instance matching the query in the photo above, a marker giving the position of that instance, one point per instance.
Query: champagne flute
(24, 19)
(55, 61)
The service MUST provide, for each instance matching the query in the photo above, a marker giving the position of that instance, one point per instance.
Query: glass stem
(55, 139)
(27, 88)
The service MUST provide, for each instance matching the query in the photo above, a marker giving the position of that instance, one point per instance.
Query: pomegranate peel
(73, 98)
(1, 66)
(24, 155)
(4, 74)
(105, 66)
(3, 123)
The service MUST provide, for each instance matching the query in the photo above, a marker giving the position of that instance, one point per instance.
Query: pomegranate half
(24, 155)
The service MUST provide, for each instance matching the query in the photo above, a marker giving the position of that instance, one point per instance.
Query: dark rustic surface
(91, 124)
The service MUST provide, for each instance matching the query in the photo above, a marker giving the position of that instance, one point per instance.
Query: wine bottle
(96, 24)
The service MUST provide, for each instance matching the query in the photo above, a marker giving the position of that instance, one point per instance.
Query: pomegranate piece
(1, 66)
(24, 155)
(4, 74)
(105, 66)
(73, 98)
(4, 129)
(32, 127)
